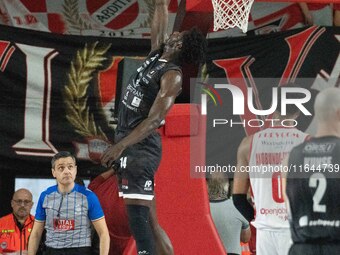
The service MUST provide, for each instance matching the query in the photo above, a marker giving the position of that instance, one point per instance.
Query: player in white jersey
(259, 162)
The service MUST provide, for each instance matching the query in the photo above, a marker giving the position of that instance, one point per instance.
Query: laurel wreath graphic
(71, 13)
(86, 62)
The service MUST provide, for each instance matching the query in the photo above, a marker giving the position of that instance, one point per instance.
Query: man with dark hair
(312, 184)
(259, 158)
(66, 211)
(146, 100)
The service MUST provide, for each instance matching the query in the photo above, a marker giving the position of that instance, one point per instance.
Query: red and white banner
(109, 18)
(132, 18)
(58, 93)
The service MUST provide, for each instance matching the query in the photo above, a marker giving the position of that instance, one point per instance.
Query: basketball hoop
(231, 13)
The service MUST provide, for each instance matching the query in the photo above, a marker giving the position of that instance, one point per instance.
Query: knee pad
(140, 228)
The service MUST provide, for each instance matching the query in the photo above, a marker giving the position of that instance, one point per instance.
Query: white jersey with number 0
(269, 148)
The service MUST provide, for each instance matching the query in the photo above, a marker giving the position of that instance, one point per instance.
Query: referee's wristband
(241, 203)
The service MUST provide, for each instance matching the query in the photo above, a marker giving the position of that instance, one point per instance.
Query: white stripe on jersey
(138, 196)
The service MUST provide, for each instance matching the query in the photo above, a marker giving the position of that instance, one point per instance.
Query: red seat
(181, 197)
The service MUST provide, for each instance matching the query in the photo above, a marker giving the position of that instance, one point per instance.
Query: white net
(231, 13)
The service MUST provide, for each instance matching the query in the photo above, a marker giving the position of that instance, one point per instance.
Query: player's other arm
(284, 179)
(245, 231)
(241, 177)
(241, 180)
(171, 85)
(35, 237)
(245, 235)
(159, 24)
(103, 233)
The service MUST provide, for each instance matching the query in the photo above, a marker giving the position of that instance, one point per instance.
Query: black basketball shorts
(137, 166)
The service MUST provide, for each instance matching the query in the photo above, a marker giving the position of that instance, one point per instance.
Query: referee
(66, 211)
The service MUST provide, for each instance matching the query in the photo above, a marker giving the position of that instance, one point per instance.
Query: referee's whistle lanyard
(61, 202)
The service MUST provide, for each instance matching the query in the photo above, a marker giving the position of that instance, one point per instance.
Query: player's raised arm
(159, 24)
(241, 177)
(284, 178)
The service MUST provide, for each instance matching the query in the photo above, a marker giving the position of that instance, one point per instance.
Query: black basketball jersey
(141, 91)
(313, 190)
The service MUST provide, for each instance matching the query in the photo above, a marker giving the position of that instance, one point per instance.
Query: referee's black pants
(68, 251)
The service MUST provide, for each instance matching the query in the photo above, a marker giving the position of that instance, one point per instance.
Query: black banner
(308, 57)
(58, 93)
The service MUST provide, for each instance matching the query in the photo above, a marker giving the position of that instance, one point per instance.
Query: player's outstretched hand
(111, 154)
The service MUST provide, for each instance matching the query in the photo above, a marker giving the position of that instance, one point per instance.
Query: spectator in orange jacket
(16, 227)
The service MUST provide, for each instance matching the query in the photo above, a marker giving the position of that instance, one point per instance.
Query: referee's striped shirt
(68, 216)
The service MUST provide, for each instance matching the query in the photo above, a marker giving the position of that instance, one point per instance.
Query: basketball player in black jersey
(313, 186)
(146, 99)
